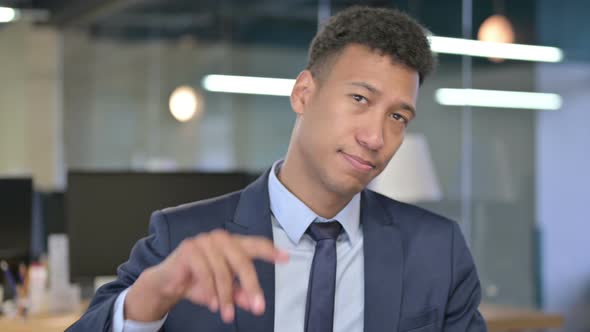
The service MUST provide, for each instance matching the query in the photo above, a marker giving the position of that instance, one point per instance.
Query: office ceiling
(294, 22)
(286, 22)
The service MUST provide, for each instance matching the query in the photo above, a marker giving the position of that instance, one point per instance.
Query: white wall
(31, 105)
(563, 195)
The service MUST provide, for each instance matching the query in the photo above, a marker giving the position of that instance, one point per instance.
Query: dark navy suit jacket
(419, 274)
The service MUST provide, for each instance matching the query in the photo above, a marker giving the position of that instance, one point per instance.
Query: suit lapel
(253, 217)
(383, 252)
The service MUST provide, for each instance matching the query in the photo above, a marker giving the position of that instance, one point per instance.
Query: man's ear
(302, 91)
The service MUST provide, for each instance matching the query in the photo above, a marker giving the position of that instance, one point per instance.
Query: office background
(85, 86)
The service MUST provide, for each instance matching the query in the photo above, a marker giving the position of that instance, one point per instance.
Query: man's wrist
(144, 303)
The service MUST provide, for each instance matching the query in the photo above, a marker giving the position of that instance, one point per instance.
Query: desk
(45, 323)
(503, 318)
(498, 318)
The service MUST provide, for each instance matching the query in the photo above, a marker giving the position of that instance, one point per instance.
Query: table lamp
(410, 176)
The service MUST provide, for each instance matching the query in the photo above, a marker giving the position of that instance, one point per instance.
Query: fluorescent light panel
(498, 99)
(8, 14)
(248, 85)
(495, 50)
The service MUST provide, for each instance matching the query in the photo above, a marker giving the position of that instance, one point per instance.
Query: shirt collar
(295, 217)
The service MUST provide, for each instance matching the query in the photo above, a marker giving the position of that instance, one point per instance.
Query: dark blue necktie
(319, 312)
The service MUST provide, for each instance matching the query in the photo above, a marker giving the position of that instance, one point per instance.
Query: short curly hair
(387, 31)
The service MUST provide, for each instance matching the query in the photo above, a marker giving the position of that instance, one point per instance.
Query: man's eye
(359, 99)
(399, 117)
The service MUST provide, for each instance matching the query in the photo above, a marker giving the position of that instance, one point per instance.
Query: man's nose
(371, 134)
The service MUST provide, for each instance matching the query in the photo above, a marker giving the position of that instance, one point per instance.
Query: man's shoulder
(214, 211)
(411, 216)
(422, 231)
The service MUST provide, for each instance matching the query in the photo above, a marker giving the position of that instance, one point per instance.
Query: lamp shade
(410, 176)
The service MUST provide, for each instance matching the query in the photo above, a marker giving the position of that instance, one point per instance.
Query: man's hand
(204, 270)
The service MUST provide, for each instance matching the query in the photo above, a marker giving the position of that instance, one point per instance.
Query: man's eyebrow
(409, 108)
(367, 86)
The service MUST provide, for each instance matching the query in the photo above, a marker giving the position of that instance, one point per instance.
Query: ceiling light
(498, 99)
(497, 29)
(8, 14)
(248, 85)
(495, 50)
(184, 103)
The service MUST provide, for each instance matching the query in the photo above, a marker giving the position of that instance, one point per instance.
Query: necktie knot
(324, 230)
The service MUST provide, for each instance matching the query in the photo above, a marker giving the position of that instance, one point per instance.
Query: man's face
(352, 120)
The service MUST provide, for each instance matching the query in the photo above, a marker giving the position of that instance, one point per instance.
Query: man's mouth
(358, 162)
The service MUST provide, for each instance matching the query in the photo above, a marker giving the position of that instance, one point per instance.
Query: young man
(306, 247)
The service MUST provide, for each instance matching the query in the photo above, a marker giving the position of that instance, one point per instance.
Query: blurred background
(135, 105)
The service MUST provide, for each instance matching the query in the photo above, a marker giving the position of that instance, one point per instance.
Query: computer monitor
(52, 204)
(16, 204)
(107, 212)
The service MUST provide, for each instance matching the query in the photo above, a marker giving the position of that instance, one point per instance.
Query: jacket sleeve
(465, 294)
(147, 252)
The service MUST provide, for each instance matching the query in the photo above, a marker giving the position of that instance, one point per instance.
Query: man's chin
(351, 188)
